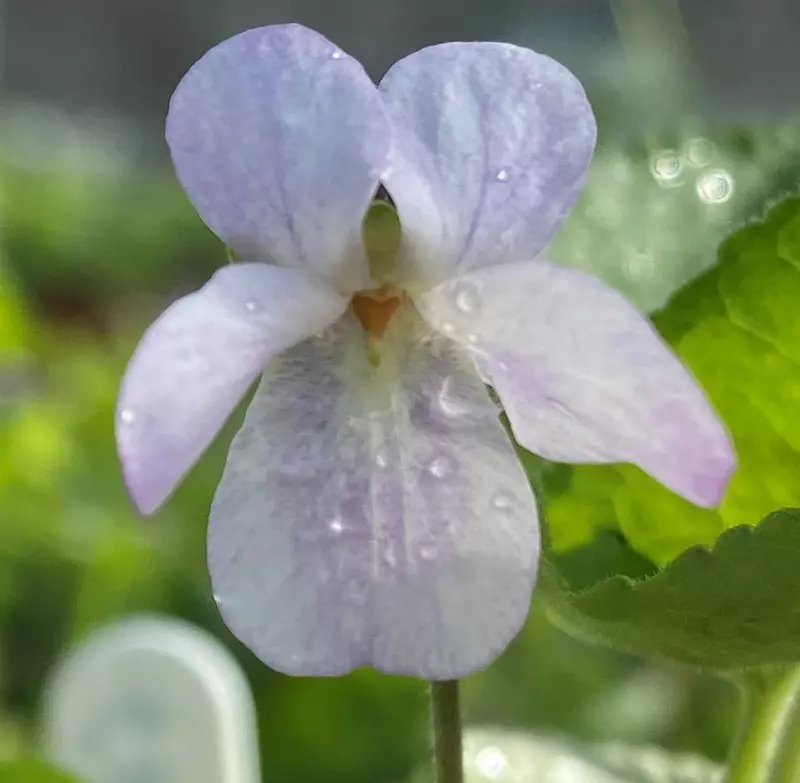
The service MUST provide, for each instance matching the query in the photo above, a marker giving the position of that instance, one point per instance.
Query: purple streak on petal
(492, 146)
(584, 377)
(362, 522)
(198, 359)
(279, 139)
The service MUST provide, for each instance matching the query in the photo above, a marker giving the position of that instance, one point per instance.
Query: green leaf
(32, 772)
(737, 329)
(15, 322)
(732, 607)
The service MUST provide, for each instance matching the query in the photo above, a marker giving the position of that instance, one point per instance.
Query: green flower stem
(787, 767)
(446, 724)
(770, 702)
(653, 36)
(652, 28)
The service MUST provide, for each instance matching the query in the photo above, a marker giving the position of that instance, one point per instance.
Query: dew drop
(560, 408)
(381, 460)
(389, 558)
(491, 762)
(448, 328)
(336, 526)
(666, 167)
(467, 298)
(440, 467)
(502, 175)
(337, 55)
(427, 552)
(715, 187)
(473, 339)
(127, 416)
(699, 152)
(449, 403)
(250, 306)
(502, 501)
(217, 599)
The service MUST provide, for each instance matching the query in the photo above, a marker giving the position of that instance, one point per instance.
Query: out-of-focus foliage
(737, 329)
(87, 259)
(32, 772)
(654, 210)
(142, 228)
(732, 607)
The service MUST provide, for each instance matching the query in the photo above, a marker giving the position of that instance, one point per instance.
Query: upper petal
(373, 516)
(279, 139)
(583, 376)
(197, 360)
(492, 146)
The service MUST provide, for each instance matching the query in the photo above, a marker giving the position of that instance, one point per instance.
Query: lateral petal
(583, 376)
(197, 360)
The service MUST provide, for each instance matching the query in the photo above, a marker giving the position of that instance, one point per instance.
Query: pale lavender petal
(279, 139)
(195, 363)
(583, 376)
(492, 146)
(373, 516)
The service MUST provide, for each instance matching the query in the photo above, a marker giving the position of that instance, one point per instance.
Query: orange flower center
(375, 307)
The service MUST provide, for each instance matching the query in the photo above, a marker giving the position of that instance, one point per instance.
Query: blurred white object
(151, 701)
(502, 756)
(641, 708)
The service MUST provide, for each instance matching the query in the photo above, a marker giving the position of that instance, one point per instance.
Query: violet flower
(372, 510)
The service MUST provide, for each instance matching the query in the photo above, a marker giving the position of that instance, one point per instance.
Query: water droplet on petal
(251, 306)
(336, 525)
(381, 460)
(491, 762)
(337, 55)
(427, 552)
(440, 467)
(561, 408)
(502, 175)
(715, 187)
(448, 328)
(127, 416)
(217, 599)
(467, 298)
(389, 557)
(448, 401)
(473, 339)
(502, 500)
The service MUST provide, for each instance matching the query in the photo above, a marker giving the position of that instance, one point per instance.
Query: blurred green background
(96, 238)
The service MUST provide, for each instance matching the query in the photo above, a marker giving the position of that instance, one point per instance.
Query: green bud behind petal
(381, 231)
